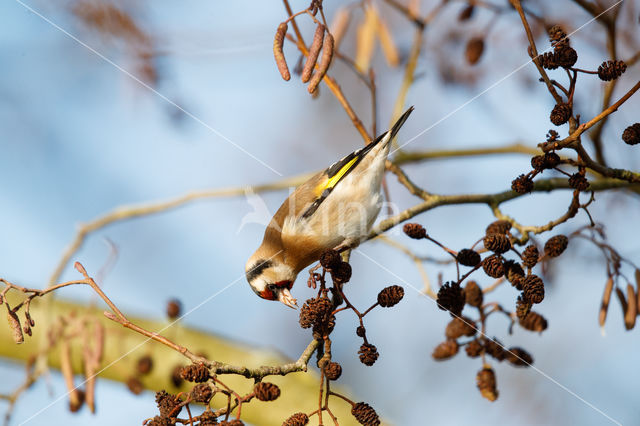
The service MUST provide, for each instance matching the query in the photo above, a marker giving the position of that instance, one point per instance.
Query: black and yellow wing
(335, 174)
(340, 169)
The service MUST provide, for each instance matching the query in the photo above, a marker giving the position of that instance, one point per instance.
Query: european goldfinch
(334, 209)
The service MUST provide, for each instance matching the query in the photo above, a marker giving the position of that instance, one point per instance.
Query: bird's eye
(272, 288)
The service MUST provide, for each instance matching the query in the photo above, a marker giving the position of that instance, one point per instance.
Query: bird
(334, 209)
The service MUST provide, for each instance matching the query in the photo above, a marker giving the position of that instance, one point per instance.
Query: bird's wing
(334, 174)
(306, 199)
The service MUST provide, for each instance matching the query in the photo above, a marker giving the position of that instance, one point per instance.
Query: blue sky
(79, 137)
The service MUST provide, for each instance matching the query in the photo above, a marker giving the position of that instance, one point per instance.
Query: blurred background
(88, 122)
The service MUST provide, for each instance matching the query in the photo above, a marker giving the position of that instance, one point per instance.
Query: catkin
(606, 297)
(278, 53)
(632, 308)
(340, 25)
(327, 55)
(314, 52)
(16, 327)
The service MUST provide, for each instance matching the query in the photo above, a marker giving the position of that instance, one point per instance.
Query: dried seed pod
(522, 184)
(332, 371)
(495, 349)
(610, 70)
(134, 385)
(368, 354)
(551, 160)
(473, 294)
(604, 305)
(16, 327)
(514, 273)
(314, 52)
(168, 404)
(360, 331)
(474, 348)
(307, 314)
(324, 327)
(316, 313)
(557, 36)
(530, 256)
(466, 13)
(208, 419)
(342, 273)
(414, 230)
(548, 60)
(519, 357)
(556, 245)
(468, 257)
(492, 266)
(498, 227)
(523, 307)
(365, 414)
(145, 364)
(632, 308)
(278, 53)
(474, 49)
(460, 326)
(445, 350)
(566, 56)
(197, 373)
(266, 391)
(390, 296)
(533, 321)
(579, 182)
(631, 135)
(451, 298)
(533, 289)
(330, 259)
(486, 381)
(202, 393)
(537, 162)
(560, 114)
(325, 62)
(174, 307)
(497, 243)
(298, 419)
(234, 422)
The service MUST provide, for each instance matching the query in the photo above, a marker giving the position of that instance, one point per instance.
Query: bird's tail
(387, 136)
(398, 124)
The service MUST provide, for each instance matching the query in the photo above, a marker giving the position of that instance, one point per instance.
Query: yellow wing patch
(333, 180)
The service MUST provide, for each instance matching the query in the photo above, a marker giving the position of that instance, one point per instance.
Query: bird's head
(271, 280)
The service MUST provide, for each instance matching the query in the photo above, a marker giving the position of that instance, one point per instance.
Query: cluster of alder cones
(453, 297)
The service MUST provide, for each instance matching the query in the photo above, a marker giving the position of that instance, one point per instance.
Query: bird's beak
(285, 297)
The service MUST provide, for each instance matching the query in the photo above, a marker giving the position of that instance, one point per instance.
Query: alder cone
(298, 419)
(486, 381)
(365, 414)
(445, 350)
(473, 294)
(451, 298)
(474, 50)
(266, 391)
